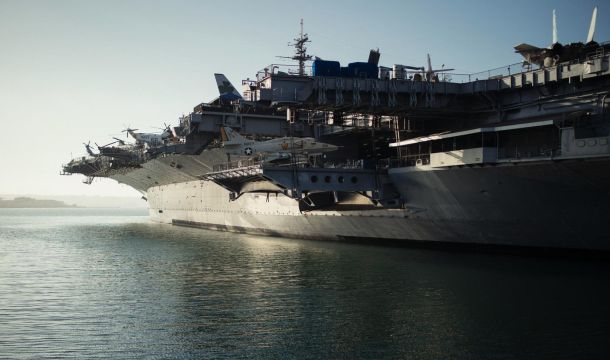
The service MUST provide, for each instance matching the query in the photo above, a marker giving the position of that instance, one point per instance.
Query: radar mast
(300, 50)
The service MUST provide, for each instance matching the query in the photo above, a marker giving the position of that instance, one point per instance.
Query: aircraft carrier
(514, 156)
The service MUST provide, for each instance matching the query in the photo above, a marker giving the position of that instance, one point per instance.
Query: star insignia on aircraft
(248, 151)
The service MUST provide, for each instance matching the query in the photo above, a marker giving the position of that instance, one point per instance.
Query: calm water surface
(91, 283)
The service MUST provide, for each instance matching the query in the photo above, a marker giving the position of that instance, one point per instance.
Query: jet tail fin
(555, 38)
(228, 135)
(226, 89)
(592, 25)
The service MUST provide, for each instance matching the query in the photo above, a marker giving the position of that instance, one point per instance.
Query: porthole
(327, 179)
(314, 179)
(354, 179)
(341, 179)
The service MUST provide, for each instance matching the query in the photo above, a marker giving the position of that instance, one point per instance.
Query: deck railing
(281, 69)
(502, 71)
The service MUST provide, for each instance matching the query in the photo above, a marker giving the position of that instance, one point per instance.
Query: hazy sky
(73, 71)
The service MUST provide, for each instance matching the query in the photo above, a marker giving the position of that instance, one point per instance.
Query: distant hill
(87, 201)
(27, 202)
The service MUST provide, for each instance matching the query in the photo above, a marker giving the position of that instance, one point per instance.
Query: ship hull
(549, 204)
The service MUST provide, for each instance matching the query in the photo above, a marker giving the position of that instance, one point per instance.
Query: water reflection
(118, 286)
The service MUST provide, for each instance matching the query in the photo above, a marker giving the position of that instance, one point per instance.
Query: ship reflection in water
(87, 283)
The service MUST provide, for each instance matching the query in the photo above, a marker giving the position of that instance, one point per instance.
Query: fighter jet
(424, 73)
(431, 75)
(557, 53)
(284, 147)
(228, 93)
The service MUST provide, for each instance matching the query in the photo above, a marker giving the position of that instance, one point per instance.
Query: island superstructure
(515, 156)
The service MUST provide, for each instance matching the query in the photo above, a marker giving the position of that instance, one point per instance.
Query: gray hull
(554, 204)
(562, 205)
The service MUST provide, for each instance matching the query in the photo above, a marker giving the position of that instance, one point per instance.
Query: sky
(78, 71)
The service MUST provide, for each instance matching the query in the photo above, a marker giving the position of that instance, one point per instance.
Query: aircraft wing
(527, 48)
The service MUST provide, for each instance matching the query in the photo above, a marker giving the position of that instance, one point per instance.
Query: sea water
(107, 283)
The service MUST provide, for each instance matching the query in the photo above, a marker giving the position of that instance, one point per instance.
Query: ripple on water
(109, 284)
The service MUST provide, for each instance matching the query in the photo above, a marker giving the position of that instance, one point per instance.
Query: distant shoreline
(76, 201)
(30, 203)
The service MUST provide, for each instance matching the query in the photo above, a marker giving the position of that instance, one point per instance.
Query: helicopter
(152, 139)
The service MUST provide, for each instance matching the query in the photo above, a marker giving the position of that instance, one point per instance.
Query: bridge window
(463, 142)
